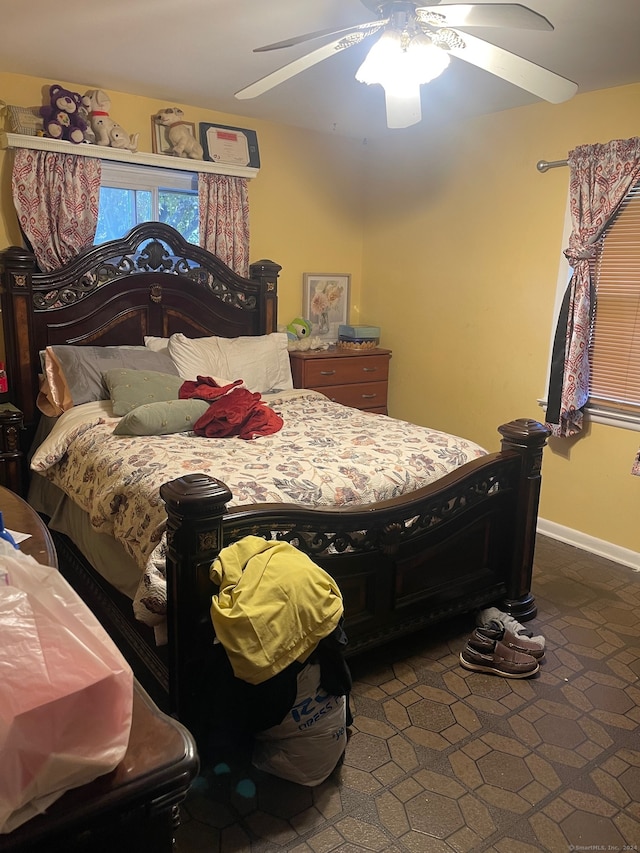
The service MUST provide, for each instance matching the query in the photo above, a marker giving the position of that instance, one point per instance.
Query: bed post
(527, 437)
(195, 505)
(18, 266)
(266, 272)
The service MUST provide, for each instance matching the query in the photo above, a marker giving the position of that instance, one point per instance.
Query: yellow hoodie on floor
(273, 607)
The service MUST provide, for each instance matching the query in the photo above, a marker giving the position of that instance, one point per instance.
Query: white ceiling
(199, 52)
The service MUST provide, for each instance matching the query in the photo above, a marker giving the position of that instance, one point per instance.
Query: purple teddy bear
(61, 118)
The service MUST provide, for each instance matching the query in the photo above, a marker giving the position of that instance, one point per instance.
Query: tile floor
(442, 759)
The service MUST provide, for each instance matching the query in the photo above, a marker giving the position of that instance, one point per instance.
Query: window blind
(615, 342)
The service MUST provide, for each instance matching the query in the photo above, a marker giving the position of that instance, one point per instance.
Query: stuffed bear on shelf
(61, 117)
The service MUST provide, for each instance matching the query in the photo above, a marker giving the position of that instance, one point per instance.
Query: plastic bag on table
(66, 692)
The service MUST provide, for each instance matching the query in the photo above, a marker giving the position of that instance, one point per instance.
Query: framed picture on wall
(325, 302)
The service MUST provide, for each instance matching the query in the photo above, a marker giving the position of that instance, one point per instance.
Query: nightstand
(11, 456)
(358, 379)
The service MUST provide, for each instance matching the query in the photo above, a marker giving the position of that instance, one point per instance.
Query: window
(132, 194)
(615, 342)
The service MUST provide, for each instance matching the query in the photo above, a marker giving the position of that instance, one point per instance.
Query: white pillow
(262, 361)
(156, 344)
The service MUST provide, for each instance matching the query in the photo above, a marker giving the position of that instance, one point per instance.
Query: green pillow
(129, 389)
(162, 418)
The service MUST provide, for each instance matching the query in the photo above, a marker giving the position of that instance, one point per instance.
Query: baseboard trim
(625, 556)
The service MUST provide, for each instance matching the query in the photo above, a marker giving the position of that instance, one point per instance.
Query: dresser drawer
(358, 380)
(343, 371)
(359, 395)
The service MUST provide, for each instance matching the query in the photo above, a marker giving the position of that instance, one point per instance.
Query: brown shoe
(483, 654)
(495, 630)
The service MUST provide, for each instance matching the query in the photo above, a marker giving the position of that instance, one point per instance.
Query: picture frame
(325, 302)
(159, 139)
(232, 146)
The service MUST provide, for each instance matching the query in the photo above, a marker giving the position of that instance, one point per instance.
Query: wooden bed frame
(464, 542)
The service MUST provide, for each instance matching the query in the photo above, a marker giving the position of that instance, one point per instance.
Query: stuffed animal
(119, 138)
(61, 117)
(179, 134)
(107, 131)
(299, 337)
(83, 112)
(298, 329)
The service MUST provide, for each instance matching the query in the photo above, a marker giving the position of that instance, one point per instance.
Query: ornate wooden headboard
(151, 282)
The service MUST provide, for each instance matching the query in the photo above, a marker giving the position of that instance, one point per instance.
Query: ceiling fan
(413, 45)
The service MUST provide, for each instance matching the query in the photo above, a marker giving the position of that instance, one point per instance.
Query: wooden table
(133, 808)
(19, 516)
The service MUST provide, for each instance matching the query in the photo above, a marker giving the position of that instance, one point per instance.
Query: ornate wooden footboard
(460, 544)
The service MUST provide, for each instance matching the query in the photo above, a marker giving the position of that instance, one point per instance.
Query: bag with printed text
(310, 741)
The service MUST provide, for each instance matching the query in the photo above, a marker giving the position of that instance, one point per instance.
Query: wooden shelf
(139, 158)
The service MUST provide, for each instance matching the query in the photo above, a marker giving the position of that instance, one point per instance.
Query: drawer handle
(327, 372)
(369, 369)
(369, 396)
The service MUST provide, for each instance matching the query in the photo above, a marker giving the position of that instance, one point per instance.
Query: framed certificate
(233, 146)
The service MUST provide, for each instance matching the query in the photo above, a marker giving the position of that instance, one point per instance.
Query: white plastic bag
(66, 692)
(307, 745)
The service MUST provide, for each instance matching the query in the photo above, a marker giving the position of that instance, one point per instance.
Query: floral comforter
(325, 455)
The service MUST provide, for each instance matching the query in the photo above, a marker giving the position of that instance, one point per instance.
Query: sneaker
(483, 654)
(497, 631)
(489, 614)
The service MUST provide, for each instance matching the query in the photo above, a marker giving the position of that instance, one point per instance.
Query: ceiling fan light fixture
(398, 64)
(425, 60)
(414, 48)
(377, 63)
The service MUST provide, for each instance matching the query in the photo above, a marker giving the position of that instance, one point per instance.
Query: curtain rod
(544, 165)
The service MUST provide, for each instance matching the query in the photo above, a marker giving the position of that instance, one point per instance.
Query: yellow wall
(453, 240)
(462, 246)
(305, 203)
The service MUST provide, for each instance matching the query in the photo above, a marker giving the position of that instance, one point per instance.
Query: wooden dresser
(358, 379)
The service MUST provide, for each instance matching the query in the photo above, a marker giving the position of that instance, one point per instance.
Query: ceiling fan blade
(487, 15)
(370, 25)
(515, 69)
(403, 110)
(292, 68)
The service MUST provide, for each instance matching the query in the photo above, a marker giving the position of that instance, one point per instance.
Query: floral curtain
(56, 198)
(601, 175)
(224, 219)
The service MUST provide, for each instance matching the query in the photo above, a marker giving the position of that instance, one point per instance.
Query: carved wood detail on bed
(151, 282)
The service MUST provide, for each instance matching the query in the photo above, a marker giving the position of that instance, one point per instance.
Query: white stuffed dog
(179, 135)
(106, 130)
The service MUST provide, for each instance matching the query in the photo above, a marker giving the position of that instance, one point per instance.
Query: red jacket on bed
(232, 411)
